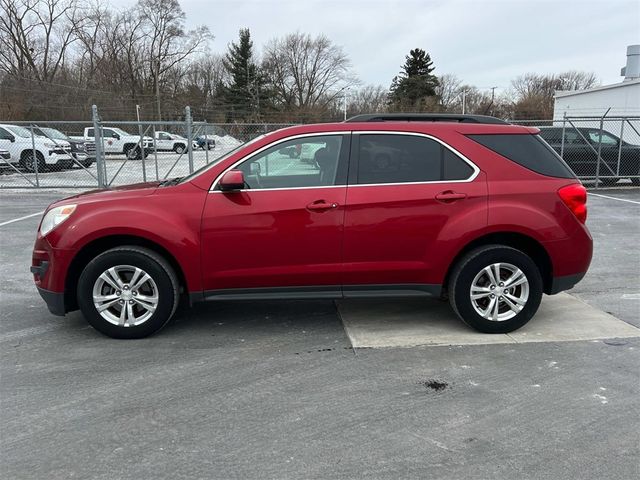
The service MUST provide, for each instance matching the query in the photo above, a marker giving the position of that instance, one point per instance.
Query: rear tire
(179, 148)
(131, 306)
(496, 307)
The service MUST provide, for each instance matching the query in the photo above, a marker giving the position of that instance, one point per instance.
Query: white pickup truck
(117, 141)
(19, 142)
(170, 142)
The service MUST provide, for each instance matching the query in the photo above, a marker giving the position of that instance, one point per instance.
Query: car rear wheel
(128, 292)
(495, 289)
(180, 148)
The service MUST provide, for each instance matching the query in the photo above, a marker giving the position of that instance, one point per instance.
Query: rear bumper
(54, 301)
(567, 282)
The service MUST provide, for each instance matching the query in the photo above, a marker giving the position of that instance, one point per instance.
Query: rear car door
(284, 229)
(408, 195)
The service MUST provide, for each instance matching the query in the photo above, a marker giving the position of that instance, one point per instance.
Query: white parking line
(614, 198)
(21, 218)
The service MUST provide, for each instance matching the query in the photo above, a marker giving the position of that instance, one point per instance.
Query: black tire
(179, 148)
(132, 152)
(470, 265)
(151, 263)
(29, 164)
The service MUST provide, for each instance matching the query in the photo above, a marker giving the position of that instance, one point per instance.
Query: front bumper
(54, 301)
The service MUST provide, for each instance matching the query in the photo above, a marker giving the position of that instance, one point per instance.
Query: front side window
(387, 158)
(303, 162)
(4, 135)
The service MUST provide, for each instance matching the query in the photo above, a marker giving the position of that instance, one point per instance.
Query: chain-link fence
(98, 154)
(602, 151)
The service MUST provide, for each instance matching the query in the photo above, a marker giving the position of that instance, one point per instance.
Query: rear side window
(386, 158)
(527, 150)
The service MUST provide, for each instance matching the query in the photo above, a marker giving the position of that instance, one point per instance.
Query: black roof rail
(425, 117)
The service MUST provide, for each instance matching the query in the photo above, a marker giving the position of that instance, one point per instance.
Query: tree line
(59, 57)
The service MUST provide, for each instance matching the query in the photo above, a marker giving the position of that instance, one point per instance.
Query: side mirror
(12, 139)
(232, 180)
(116, 136)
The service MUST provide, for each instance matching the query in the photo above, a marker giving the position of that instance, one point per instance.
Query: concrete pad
(406, 322)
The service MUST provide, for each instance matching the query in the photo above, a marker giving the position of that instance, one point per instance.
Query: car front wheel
(128, 292)
(495, 289)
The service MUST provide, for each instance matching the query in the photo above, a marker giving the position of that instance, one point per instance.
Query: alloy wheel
(499, 292)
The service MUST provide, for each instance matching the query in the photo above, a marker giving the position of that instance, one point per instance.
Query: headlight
(50, 145)
(80, 147)
(55, 217)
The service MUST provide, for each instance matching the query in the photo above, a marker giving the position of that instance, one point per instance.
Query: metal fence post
(142, 153)
(564, 126)
(206, 143)
(35, 156)
(620, 146)
(599, 151)
(100, 160)
(187, 117)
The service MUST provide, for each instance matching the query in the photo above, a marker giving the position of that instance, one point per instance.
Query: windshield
(218, 160)
(119, 130)
(19, 131)
(53, 133)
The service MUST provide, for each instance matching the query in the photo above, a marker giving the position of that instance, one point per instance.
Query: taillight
(575, 197)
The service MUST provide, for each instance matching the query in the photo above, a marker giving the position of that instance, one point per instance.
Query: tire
(179, 148)
(132, 152)
(29, 164)
(162, 287)
(470, 271)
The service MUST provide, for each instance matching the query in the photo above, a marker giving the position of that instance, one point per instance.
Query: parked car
(170, 142)
(5, 156)
(33, 151)
(83, 152)
(467, 208)
(205, 143)
(580, 151)
(117, 141)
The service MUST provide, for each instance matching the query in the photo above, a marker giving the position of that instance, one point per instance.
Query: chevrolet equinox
(461, 207)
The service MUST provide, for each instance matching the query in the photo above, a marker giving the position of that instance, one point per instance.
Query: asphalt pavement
(275, 389)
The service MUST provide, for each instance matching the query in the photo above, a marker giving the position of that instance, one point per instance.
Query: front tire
(128, 292)
(179, 148)
(495, 289)
(29, 162)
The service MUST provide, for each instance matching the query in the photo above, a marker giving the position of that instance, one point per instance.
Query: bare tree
(449, 91)
(306, 73)
(368, 99)
(36, 36)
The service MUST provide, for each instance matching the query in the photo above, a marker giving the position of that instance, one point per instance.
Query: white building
(616, 100)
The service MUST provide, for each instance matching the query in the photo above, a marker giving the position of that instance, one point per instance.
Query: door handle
(449, 196)
(320, 205)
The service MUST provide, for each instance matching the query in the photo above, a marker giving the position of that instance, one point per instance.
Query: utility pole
(158, 89)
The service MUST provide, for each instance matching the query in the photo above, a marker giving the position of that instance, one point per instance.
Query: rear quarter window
(527, 150)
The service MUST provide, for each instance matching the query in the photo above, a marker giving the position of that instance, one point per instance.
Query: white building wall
(623, 99)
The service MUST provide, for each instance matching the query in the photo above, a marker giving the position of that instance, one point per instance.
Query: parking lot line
(614, 198)
(20, 218)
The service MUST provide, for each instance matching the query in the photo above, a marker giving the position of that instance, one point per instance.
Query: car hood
(115, 193)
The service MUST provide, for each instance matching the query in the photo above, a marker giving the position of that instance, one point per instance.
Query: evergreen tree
(244, 92)
(415, 84)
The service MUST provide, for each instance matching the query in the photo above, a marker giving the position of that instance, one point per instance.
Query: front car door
(283, 231)
(408, 195)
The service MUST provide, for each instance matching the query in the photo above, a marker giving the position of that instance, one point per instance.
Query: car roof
(409, 127)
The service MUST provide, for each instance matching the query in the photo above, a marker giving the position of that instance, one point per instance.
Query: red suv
(468, 208)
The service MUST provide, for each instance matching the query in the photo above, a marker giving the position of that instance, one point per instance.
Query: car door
(164, 141)
(408, 195)
(284, 229)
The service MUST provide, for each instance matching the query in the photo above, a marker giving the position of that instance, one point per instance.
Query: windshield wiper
(170, 182)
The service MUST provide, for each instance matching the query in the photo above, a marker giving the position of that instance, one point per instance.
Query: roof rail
(425, 117)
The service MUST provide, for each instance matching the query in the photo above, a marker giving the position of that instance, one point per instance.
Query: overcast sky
(484, 42)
